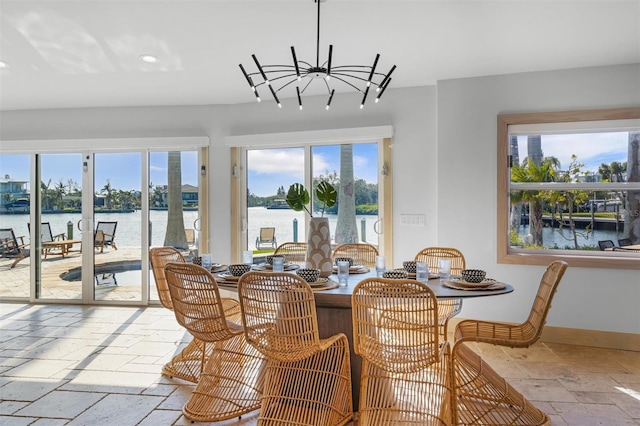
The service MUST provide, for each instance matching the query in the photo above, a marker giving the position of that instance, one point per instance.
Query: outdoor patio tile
(61, 404)
(8, 334)
(25, 343)
(161, 417)
(542, 390)
(16, 421)
(159, 389)
(37, 368)
(12, 362)
(27, 390)
(592, 414)
(10, 407)
(178, 398)
(110, 382)
(50, 422)
(131, 409)
(592, 382)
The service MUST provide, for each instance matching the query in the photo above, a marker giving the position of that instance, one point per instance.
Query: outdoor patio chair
(46, 236)
(231, 382)
(606, 244)
(188, 364)
(308, 379)
(447, 308)
(190, 233)
(362, 254)
(405, 366)
(480, 392)
(293, 253)
(13, 247)
(624, 242)
(266, 239)
(105, 235)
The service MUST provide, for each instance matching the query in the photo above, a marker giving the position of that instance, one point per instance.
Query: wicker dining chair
(362, 254)
(479, 391)
(448, 308)
(308, 379)
(188, 364)
(293, 252)
(405, 365)
(231, 382)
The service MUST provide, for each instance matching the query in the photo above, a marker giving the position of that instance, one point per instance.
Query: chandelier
(303, 73)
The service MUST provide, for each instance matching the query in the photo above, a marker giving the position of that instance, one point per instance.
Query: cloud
(283, 161)
(592, 149)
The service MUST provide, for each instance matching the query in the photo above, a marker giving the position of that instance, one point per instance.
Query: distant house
(189, 196)
(12, 191)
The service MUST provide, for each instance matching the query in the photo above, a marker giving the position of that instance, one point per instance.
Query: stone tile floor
(100, 365)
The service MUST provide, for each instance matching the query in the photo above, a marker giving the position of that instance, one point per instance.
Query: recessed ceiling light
(3, 64)
(148, 58)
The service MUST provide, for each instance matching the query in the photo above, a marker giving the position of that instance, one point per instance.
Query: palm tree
(175, 235)
(529, 171)
(570, 199)
(106, 189)
(60, 190)
(632, 205)
(346, 228)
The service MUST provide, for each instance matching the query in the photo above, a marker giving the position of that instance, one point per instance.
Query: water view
(128, 232)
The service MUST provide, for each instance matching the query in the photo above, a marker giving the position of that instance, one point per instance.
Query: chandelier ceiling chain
(358, 77)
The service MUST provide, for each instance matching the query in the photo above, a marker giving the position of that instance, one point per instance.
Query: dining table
(333, 308)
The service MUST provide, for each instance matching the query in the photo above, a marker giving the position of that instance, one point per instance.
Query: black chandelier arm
(355, 77)
(293, 80)
(337, 77)
(276, 79)
(306, 85)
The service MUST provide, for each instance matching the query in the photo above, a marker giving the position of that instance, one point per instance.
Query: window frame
(509, 255)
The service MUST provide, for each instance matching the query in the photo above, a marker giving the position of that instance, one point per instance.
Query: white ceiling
(86, 53)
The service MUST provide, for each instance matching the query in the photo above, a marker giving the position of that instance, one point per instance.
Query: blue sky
(592, 149)
(122, 169)
(269, 169)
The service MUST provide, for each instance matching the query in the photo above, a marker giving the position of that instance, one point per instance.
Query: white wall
(587, 298)
(444, 166)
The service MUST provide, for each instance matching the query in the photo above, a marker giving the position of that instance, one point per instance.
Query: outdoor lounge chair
(267, 238)
(606, 244)
(624, 242)
(11, 248)
(105, 235)
(49, 241)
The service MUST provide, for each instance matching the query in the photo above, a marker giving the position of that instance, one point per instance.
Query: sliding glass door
(351, 168)
(84, 231)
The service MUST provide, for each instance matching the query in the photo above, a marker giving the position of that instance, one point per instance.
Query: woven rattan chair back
(159, 257)
(362, 254)
(517, 335)
(432, 255)
(450, 307)
(279, 315)
(232, 379)
(308, 379)
(542, 303)
(197, 303)
(405, 367)
(392, 318)
(293, 252)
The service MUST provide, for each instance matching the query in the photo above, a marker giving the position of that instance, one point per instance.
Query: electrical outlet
(412, 220)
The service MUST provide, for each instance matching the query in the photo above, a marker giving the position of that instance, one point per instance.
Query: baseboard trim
(582, 337)
(594, 338)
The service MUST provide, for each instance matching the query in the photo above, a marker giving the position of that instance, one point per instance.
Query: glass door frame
(238, 167)
(33, 148)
